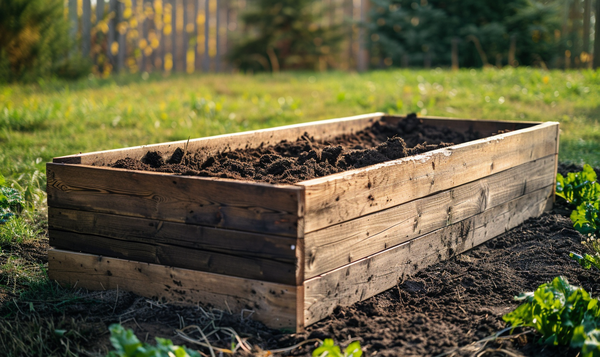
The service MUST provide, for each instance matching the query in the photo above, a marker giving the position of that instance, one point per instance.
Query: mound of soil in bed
(306, 158)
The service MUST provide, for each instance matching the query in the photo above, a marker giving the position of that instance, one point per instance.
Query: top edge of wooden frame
(96, 155)
(76, 158)
(427, 155)
(170, 175)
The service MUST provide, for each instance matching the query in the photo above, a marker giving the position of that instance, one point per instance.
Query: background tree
(34, 41)
(284, 34)
(416, 32)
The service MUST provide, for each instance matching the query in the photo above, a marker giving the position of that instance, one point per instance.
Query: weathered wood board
(292, 252)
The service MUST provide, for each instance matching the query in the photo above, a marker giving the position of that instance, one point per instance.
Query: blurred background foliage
(72, 38)
(283, 35)
(486, 32)
(34, 42)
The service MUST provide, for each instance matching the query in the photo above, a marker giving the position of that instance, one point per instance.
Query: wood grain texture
(250, 139)
(177, 256)
(273, 304)
(247, 206)
(152, 231)
(341, 197)
(374, 274)
(343, 243)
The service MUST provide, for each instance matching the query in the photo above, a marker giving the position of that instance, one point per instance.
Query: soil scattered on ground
(306, 158)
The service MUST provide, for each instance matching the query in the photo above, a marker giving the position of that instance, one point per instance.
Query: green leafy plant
(329, 349)
(10, 201)
(578, 187)
(126, 344)
(586, 218)
(564, 314)
(587, 261)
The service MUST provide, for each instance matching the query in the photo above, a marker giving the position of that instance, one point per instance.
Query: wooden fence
(188, 35)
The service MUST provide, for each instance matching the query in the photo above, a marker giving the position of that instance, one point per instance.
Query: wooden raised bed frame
(291, 253)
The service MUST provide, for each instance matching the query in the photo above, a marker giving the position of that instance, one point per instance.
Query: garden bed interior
(291, 253)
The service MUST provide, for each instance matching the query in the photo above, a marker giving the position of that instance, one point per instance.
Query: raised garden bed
(292, 252)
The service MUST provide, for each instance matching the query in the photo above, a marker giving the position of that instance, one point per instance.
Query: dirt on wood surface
(306, 158)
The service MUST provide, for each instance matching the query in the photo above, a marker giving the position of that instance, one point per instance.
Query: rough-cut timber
(292, 253)
(273, 304)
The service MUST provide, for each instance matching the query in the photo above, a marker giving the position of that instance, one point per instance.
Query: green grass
(38, 122)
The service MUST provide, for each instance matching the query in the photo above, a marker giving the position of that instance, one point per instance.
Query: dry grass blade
(289, 349)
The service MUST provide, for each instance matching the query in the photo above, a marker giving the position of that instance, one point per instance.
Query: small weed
(126, 344)
(330, 349)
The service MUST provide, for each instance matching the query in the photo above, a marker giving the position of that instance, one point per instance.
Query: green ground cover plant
(562, 313)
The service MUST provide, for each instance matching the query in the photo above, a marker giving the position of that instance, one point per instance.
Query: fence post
(206, 62)
(120, 37)
(73, 20)
(112, 6)
(174, 33)
(454, 53)
(218, 37)
(86, 28)
(596, 60)
(363, 52)
(587, 12)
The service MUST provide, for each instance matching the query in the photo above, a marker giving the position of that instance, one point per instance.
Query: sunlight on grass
(38, 122)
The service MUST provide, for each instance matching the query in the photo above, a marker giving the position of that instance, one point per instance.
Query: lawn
(48, 119)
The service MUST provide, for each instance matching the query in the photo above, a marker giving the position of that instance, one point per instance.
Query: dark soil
(306, 158)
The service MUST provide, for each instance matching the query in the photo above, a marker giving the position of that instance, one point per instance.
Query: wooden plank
(121, 37)
(86, 28)
(174, 35)
(341, 197)
(152, 231)
(343, 243)
(320, 130)
(247, 206)
(483, 127)
(372, 275)
(273, 304)
(236, 253)
(206, 59)
(177, 256)
(73, 19)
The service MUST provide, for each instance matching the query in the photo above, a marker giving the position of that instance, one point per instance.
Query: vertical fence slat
(99, 11)
(218, 36)
(362, 62)
(112, 6)
(206, 62)
(73, 20)
(189, 66)
(587, 14)
(174, 34)
(86, 28)
(120, 37)
(596, 60)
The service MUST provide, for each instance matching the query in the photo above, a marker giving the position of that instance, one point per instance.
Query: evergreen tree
(412, 31)
(283, 34)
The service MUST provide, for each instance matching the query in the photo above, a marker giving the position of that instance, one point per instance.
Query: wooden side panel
(348, 195)
(320, 130)
(152, 231)
(340, 244)
(273, 304)
(372, 275)
(246, 206)
(177, 256)
(483, 127)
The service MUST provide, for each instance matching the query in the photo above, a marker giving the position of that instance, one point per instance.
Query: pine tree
(284, 35)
